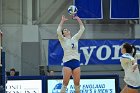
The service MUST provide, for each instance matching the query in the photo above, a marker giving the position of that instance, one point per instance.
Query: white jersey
(127, 62)
(70, 46)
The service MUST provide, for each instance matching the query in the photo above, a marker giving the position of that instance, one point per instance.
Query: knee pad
(77, 88)
(63, 89)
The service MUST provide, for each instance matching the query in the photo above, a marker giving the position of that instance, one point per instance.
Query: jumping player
(71, 64)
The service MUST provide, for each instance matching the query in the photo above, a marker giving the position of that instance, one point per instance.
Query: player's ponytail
(133, 50)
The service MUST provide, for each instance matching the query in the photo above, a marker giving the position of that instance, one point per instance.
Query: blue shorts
(133, 87)
(73, 64)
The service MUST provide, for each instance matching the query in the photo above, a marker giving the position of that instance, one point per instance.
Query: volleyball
(72, 10)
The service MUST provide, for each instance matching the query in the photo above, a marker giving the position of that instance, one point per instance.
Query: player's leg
(129, 90)
(132, 90)
(66, 76)
(76, 76)
(124, 89)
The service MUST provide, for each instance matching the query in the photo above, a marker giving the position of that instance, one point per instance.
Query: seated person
(12, 72)
(51, 73)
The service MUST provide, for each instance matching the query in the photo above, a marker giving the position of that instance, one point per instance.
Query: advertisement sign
(91, 51)
(86, 86)
(24, 86)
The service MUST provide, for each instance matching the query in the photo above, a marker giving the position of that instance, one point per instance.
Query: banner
(24, 86)
(86, 86)
(89, 9)
(124, 9)
(91, 51)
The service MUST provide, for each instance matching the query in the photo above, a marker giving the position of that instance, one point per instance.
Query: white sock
(63, 89)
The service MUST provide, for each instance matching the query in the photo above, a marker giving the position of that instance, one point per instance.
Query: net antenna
(0, 47)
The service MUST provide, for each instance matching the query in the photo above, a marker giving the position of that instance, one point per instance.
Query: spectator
(51, 73)
(12, 72)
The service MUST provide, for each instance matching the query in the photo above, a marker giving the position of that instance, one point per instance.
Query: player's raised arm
(59, 29)
(82, 28)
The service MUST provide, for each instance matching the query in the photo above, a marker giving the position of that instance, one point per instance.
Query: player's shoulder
(74, 38)
(61, 38)
(126, 55)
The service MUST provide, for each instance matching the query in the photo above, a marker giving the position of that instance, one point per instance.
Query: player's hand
(64, 18)
(76, 17)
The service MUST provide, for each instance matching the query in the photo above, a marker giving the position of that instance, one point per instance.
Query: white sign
(24, 86)
(86, 86)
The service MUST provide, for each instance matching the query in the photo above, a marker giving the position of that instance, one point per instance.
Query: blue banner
(89, 9)
(124, 9)
(91, 51)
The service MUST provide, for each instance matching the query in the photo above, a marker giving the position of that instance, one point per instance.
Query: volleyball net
(0, 47)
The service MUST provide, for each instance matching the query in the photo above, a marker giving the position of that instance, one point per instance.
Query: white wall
(12, 11)
(12, 38)
(92, 31)
(30, 33)
(137, 31)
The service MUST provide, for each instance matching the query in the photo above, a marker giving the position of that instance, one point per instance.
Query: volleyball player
(71, 64)
(129, 63)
